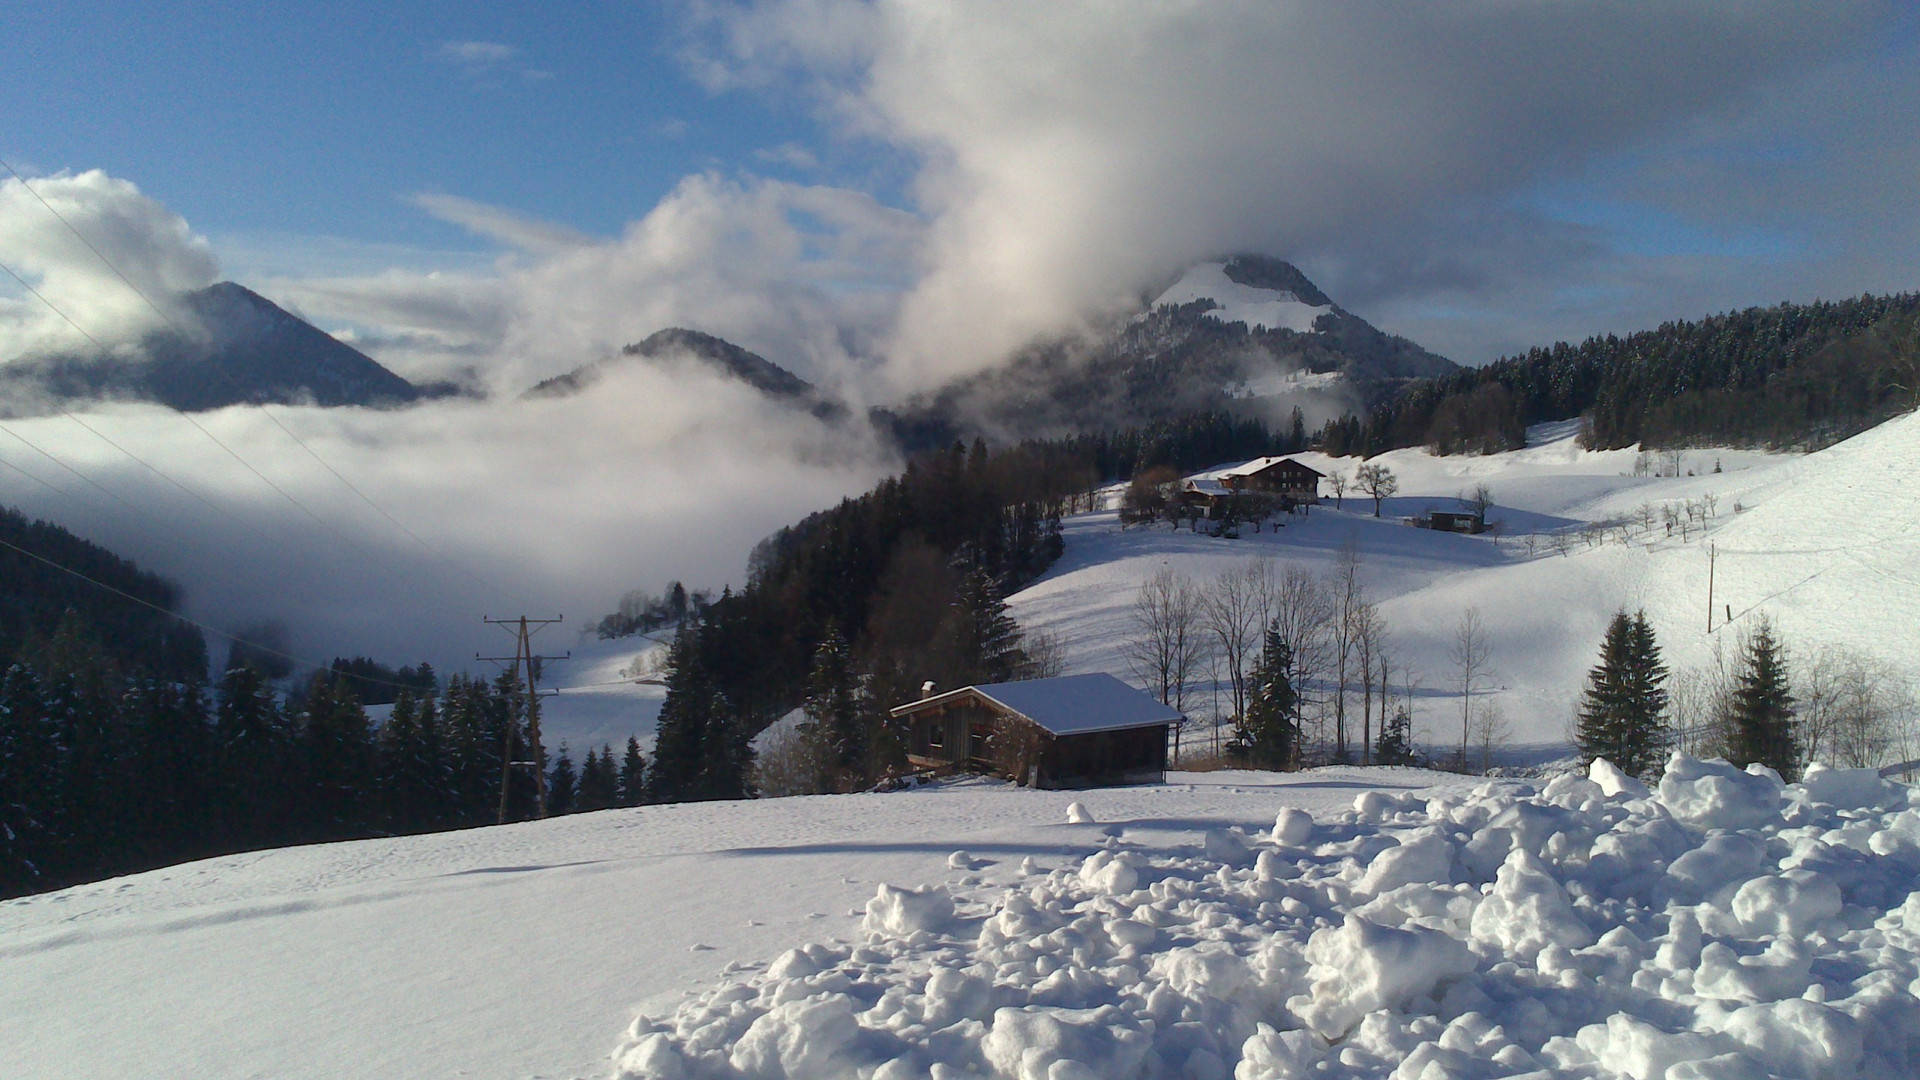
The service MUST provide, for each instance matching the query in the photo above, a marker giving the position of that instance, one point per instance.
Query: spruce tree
(253, 756)
(633, 774)
(834, 730)
(599, 783)
(561, 784)
(1266, 734)
(1762, 707)
(1623, 712)
(29, 782)
(337, 760)
(700, 750)
(1395, 744)
(991, 646)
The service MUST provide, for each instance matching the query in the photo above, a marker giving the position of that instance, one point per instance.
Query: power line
(298, 441)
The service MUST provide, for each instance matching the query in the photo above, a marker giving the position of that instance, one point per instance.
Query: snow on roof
(1248, 468)
(1271, 309)
(1207, 486)
(1069, 704)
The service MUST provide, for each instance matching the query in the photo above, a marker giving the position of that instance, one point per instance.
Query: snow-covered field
(1337, 923)
(1801, 538)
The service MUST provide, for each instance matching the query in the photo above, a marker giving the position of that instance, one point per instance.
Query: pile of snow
(1723, 925)
(1262, 309)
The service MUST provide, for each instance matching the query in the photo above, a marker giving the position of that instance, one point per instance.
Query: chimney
(926, 689)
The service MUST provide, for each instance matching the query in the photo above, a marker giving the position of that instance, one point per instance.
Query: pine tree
(1266, 734)
(1623, 713)
(561, 784)
(1762, 707)
(1395, 744)
(633, 775)
(252, 756)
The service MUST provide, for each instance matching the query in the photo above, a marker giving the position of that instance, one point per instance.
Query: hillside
(38, 602)
(1800, 538)
(238, 347)
(1803, 375)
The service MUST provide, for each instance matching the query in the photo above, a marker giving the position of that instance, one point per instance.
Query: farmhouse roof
(1249, 468)
(1066, 705)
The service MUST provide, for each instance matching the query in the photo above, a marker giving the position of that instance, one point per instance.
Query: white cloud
(534, 506)
(1071, 152)
(151, 245)
(792, 155)
(476, 52)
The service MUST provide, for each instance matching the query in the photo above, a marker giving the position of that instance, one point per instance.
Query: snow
(600, 702)
(1389, 922)
(1080, 704)
(1388, 948)
(1265, 309)
(1813, 533)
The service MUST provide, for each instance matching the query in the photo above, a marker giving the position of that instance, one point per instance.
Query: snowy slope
(1814, 533)
(1337, 923)
(522, 950)
(1265, 309)
(600, 702)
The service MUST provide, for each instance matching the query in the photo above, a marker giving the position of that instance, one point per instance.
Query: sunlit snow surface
(1720, 926)
(1801, 538)
(1267, 309)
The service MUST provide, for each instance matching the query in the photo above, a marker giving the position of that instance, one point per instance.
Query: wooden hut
(1071, 731)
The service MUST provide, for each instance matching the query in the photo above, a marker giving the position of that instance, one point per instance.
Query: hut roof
(1068, 704)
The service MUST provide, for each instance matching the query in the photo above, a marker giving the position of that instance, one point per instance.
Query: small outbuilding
(1464, 521)
(1070, 731)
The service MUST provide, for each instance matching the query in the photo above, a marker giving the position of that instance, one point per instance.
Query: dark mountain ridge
(678, 344)
(247, 349)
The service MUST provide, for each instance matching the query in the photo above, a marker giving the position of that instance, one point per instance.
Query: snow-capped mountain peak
(1236, 302)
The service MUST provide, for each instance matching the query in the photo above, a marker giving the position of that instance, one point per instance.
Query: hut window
(936, 736)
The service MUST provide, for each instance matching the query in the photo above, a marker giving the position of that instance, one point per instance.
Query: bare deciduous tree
(1337, 480)
(1347, 594)
(1852, 709)
(1369, 645)
(1235, 614)
(1491, 732)
(1302, 613)
(1378, 482)
(1471, 655)
(1167, 644)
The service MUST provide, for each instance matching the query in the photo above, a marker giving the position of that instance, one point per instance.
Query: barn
(1070, 731)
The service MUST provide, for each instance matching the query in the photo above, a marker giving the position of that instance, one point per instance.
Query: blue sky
(1478, 176)
(318, 119)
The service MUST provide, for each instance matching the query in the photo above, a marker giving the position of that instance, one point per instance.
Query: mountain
(247, 349)
(676, 345)
(1247, 334)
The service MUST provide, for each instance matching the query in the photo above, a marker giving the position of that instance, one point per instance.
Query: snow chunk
(1361, 966)
(1797, 1037)
(896, 912)
(1037, 1043)
(1078, 814)
(1614, 783)
(1791, 903)
(1110, 872)
(1292, 827)
(1277, 1055)
(1634, 1048)
(1850, 789)
(1426, 857)
(1527, 911)
(810, 1039)
(1715, 795)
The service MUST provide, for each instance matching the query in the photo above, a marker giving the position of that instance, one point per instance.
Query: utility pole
(1711, 555)
(523, 629)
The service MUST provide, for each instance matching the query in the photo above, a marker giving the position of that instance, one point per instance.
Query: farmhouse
(1071, 731)
(1275, 476)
